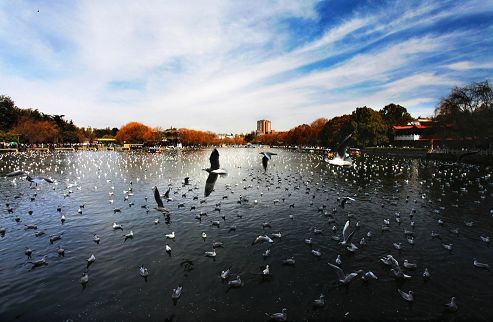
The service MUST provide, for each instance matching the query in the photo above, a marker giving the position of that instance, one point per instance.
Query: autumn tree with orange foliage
(135, 132)
(198, 138)
(33, 131)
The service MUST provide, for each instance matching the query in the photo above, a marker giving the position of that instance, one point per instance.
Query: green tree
(367, 127)
(9, 113)
(335, 131)
(393, 114)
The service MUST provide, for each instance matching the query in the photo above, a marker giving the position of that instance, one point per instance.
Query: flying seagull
(159, 201)
(214, 171)
(266, 158)
(339, 157)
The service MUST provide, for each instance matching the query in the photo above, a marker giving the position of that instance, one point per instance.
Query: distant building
(263, 127)
(421, 131)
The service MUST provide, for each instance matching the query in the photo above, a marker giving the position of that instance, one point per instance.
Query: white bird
(204, 235)
(210, 254)
(319, 302)
(172, 235)
(340, 155)
(260, 239)
(143, 271)
(447, 247)
(176, 292)
(129, 235)
(309, 241)
(84, 279)
(225, 273)
(91, 259)
(452, 306)
(168, 249)
(426, 274)
(115, 226)
(343, 278)
(407, 296)
(235, 283)
(266, 271)
(278, 316)
(338, 260)
(347, 236)
(480, 265)
(289, 261)
(366, 276)
(409, 265)
(266, 253)
(316, 252)
(159, 201)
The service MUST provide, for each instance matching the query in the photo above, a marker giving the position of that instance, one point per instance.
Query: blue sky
(223, 65)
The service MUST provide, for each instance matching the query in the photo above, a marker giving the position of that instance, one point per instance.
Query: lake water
(301, 182)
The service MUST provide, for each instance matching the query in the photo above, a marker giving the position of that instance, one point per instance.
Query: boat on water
(154, 149)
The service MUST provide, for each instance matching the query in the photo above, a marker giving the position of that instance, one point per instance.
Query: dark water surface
(380, 186)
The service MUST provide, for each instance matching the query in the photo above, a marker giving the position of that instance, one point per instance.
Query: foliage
(393, 114)
(367, 127)
(197, 138)
(33, 131)
(466, 114)
(9, 113)
(135, 132)
(335, 131)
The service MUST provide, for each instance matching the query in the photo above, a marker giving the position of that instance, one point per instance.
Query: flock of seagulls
(333, 197)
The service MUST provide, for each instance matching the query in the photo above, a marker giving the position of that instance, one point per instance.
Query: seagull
(343, 278)
(340, 155)
(278, 316)
(172, 235)
(366, 276)
(452, 306)
(225, 273)
(347, 236)
(210, 254)
(426, 274)
(40, 262)
(265, 159)
(409, 265)
(176, 292)
(96, 238)
(235, 283)
(266, 271)
(143, 271)
(266, 253)
(214, 171)
(84, 279)
(407, 296)
(480, 265)
(129, 235)
(457, 163)
(159, 201)
(319, 302)
(91, 259)
(115, 226)
(168, 249)
(345, 200)
(260, 239)
(28, 252)
(289, 261)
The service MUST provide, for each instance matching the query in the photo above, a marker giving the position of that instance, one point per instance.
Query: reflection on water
(297, 195)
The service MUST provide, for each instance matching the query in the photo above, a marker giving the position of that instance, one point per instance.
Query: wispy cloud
(221, 65)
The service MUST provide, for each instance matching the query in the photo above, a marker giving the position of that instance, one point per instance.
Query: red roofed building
(417, 133)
